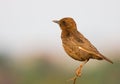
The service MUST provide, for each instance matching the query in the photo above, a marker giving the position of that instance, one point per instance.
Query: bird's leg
(79, 69)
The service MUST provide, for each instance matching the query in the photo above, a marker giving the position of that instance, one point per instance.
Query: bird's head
(66, 23)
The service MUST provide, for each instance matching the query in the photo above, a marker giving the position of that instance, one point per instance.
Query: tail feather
(107, 59)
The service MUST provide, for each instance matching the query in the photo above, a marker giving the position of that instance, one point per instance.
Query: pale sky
(26, 25)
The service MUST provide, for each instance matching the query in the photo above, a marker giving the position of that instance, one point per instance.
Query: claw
(72, 79)
(78, 72)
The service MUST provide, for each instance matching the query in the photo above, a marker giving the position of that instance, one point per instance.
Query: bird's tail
(107, 59)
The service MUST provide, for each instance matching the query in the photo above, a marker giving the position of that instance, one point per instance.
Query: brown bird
(76, 45)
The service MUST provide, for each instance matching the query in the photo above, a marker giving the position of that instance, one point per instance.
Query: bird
(76, 45)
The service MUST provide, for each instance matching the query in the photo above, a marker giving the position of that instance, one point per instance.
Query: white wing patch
(89, 51)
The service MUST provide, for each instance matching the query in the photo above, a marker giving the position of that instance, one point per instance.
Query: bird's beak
(56, 21)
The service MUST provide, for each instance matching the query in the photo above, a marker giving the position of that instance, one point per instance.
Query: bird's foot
(73, 78)
(78, 74)
(79, 71)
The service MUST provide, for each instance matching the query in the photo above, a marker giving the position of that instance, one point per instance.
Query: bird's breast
(73, 50)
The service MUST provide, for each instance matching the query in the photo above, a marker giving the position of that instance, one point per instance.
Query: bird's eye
(64, 23)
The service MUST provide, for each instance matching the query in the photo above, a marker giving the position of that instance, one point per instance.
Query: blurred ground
(42, 70)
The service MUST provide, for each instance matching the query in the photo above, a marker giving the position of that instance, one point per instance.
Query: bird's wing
(83, 43)
(79, 40)
(85, 46)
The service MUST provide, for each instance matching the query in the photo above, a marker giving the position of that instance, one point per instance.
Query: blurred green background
(45, 71)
